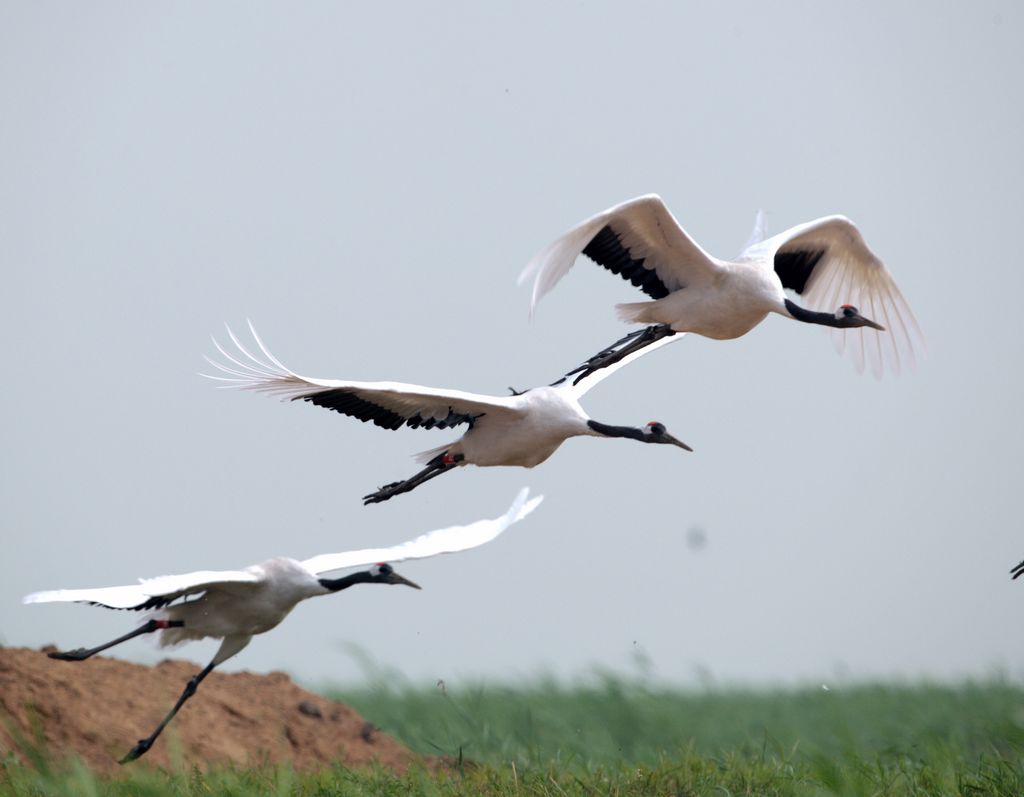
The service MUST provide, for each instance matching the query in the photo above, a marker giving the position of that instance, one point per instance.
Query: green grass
(614, 720)
(626, 737)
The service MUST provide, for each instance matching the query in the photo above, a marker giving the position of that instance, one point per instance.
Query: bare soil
(99, 708)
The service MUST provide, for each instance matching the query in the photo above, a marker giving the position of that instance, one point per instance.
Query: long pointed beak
(667, 438)
(397, 579)
(867, 322)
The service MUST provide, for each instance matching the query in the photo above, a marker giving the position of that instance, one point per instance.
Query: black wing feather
(606, 250)
(156, 602)
(348, 403)
(796, 266)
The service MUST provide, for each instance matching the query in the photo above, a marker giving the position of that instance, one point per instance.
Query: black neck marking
(606, 250)
(337, 584)
(813, 317)
(617, 431)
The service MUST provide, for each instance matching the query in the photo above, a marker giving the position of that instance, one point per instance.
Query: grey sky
(365, 182)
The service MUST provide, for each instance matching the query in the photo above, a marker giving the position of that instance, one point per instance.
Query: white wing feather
(449, 540)
(168, 588)
(164, 588)
(645, 227)
(759, 232)
(850, 273)
(246, 371)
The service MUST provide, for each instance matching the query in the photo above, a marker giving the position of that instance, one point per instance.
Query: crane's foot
(138, 751)
(442, 463)
(383, 493)
(78, 654)
(620, 349)
(81, 654)
(190, 689)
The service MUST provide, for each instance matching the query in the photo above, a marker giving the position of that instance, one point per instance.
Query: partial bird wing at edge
(396, 402)
(759, 231)
(150, 593)
(848, 272)
(449, 540)
(646, 229)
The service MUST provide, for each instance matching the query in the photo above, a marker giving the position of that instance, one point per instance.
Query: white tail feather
(423, 457)
(635, 312)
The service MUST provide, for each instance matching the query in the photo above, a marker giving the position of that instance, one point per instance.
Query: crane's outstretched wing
(449, 540)
(828, 263)
(389, 405)
(639, 240)
(149, 593)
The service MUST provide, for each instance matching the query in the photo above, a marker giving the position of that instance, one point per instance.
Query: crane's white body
(521, 430)
(235, 605)
(238, 611)
(726, 304)
(724, 299)
(529, 430)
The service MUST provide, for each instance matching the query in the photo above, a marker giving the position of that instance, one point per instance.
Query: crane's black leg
(632, 342)
(190, 689)
(80, 654)
(1018, 570)
(442, 463)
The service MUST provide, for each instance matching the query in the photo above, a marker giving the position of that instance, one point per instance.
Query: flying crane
(235, 605)
(824, 262)
(523, 429)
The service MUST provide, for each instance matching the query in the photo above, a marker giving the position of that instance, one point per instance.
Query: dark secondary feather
(795, 267)
(606, 250)
(156, 602)
(348, 403)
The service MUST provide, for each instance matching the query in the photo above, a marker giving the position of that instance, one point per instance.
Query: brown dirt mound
(99, 708)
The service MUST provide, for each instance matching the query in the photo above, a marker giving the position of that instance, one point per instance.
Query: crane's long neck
(605, 430)
(812, 316)
(338, 584)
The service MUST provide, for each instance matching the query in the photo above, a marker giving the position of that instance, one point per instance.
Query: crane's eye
(848, 310)
(384, 569)
(656, 428)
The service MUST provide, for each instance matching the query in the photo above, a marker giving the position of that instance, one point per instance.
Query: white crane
(523, 429)
(235, 605)
(825, 261)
